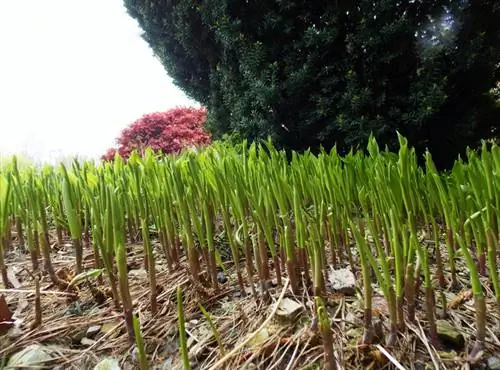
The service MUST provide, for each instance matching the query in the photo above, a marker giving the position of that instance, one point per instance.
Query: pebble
(87, 342)
(493, 363)
(77, 336)
(138, 273)
(93, 331)
(221, 277)
(449, 334)
(419, 366)
(342, 281)
(289, 308)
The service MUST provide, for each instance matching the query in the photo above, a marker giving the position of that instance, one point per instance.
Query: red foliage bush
(167, 132)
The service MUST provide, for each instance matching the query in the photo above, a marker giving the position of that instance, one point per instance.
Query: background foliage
(166, 132)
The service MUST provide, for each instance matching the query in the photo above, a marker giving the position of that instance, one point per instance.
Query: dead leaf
(5, 316)
(378, 357)
(65, 274)
(460, 299)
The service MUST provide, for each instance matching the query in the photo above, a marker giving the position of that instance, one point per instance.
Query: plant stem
(182, 331)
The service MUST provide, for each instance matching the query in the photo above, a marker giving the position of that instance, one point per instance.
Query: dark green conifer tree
(312, 73)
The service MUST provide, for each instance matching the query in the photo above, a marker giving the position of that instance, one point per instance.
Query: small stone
(493, 363)
(93, 331)
(289, 309)
(87, 342)
(449, 334)
(138, 273)
(353, 319)
(77, 336)
(342, 281)
(420, 366)
(237, 294)
(221, 277)
(31, 357)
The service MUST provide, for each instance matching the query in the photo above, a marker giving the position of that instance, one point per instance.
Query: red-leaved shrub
(167, 132)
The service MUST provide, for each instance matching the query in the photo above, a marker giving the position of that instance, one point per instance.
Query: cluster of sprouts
(378, 212)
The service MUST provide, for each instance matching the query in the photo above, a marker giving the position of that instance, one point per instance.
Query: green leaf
(4, 203)
(94, 273)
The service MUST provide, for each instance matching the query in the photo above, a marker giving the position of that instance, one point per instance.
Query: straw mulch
(253, 332)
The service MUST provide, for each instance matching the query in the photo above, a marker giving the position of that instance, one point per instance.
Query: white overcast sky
(73, 74)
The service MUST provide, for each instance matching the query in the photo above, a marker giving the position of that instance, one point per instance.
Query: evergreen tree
(319, 73)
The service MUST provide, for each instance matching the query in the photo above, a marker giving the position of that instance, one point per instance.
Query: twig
(421, 335)
(255, 333)
(256, 353)
(192, 335)
(172, 290)
(294, 354)
(38, 305)
(285, 352)
(495, 338)
(33, 291)
(390, 357)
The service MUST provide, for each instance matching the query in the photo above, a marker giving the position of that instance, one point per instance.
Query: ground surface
(83, 332)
